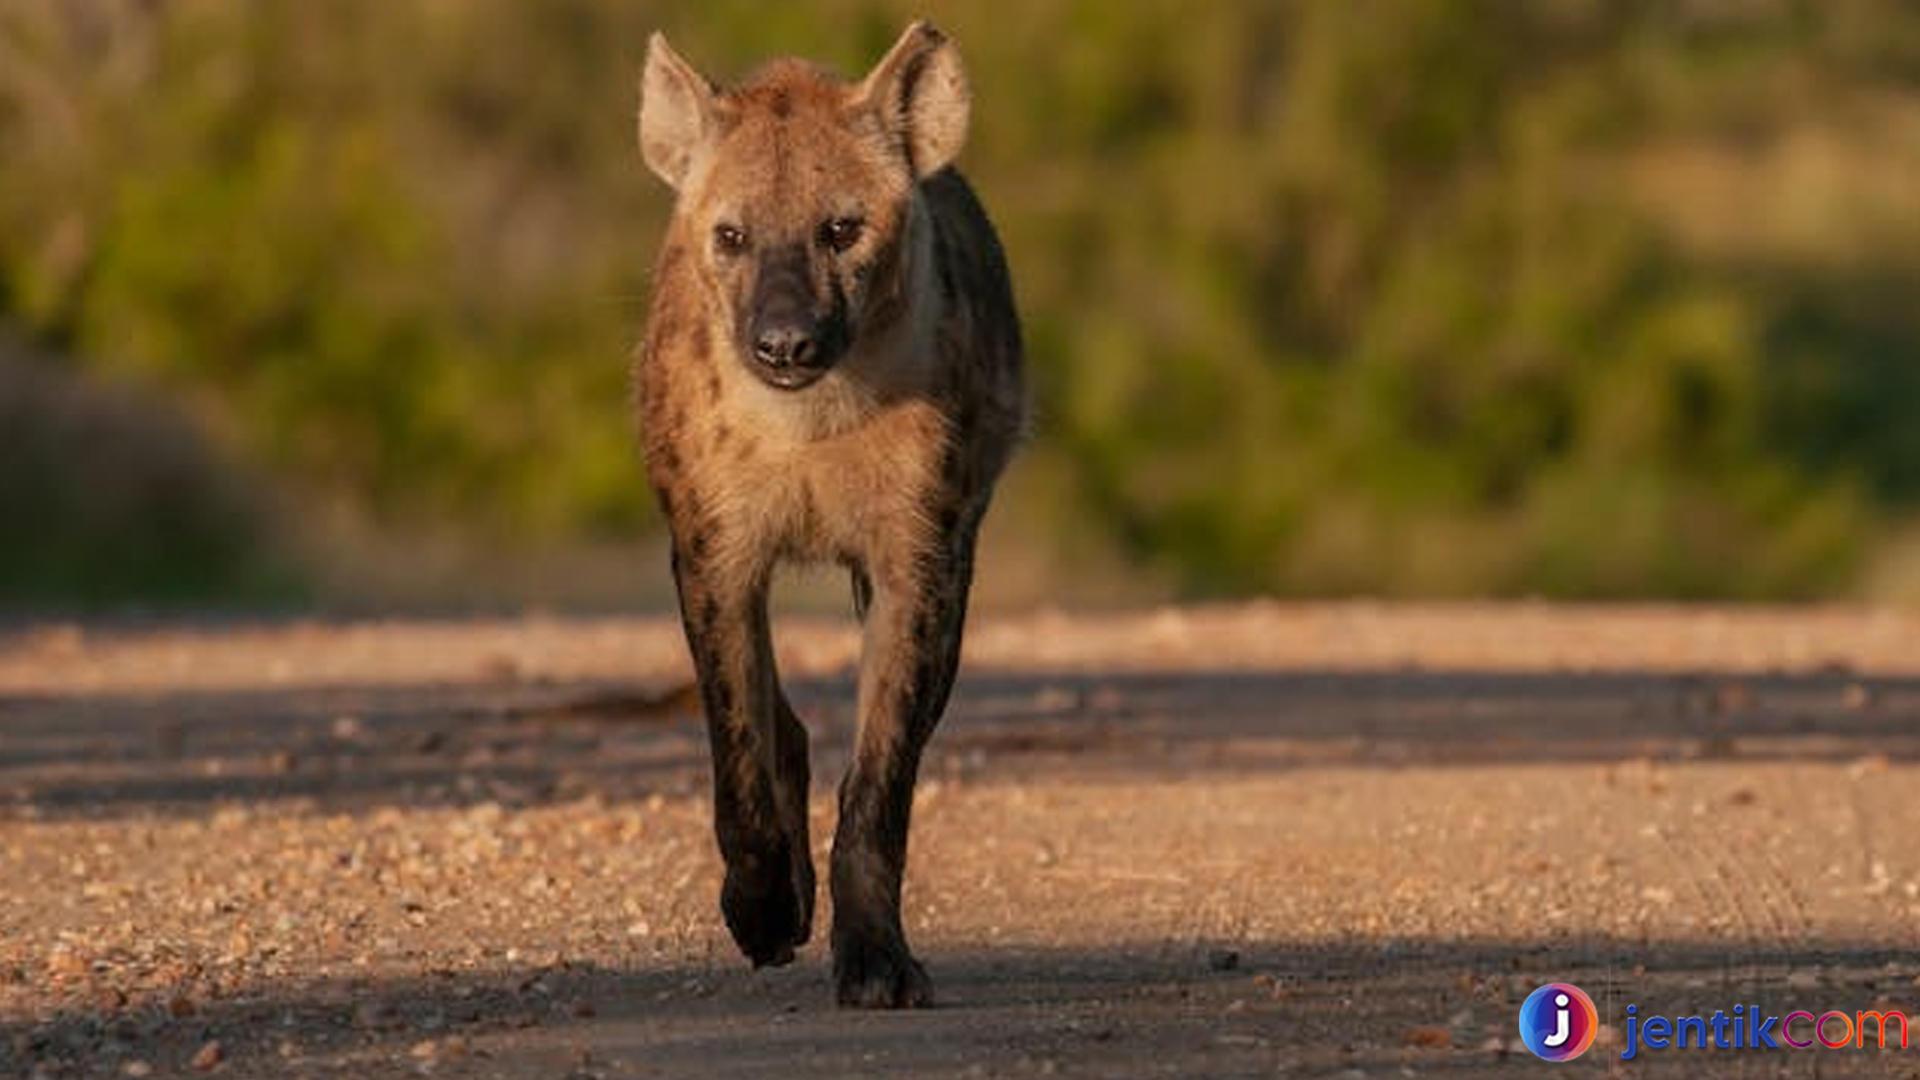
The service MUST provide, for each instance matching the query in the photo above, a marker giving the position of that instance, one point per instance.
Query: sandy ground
(1250, 841)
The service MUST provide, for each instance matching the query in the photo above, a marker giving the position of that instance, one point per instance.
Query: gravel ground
(1251, 841)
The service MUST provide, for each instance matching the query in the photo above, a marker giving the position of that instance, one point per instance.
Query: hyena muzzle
(831, 373)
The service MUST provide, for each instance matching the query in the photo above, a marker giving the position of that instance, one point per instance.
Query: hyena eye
(839, 234)
(729, 239)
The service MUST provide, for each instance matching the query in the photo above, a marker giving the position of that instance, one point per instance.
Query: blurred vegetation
(160, 516)
(1575, 297)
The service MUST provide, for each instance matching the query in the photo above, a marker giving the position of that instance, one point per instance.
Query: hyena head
(797, 206)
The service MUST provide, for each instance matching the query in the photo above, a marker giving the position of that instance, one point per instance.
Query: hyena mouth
(791, 377)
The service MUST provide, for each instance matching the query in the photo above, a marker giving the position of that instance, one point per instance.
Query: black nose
(784, 347)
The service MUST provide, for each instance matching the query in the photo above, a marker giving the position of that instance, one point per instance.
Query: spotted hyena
(831, 372)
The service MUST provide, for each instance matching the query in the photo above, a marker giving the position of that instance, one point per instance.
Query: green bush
(1442, 298)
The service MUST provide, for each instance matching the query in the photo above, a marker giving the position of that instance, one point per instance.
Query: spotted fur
(831, 373)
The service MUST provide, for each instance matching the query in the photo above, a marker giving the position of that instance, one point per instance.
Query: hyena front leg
(760, 774)
(910, 653)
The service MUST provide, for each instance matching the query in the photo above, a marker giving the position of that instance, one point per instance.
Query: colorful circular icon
(1558, 1022)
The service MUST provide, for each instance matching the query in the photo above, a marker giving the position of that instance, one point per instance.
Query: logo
(1558, 1022)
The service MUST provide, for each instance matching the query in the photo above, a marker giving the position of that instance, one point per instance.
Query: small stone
(1870, 765)
(1430, 1036)
(136, 1068)
(1056, 699)
(208, 1057)
(1856, 696)
(64, 963)
(180, 1006)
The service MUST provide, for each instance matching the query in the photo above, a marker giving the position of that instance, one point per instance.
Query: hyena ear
(676, 111)
(920, 91)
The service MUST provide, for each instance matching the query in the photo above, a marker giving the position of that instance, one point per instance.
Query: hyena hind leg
(793, 782)
(862, 591)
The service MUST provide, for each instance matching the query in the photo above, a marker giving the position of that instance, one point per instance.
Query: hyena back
(831, 372)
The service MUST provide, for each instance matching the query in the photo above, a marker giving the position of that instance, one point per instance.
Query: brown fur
(877, 448)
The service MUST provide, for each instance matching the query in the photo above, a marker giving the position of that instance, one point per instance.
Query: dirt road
(1253, 841)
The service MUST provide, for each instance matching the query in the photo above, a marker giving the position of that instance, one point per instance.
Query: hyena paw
(873, 973)
(768, 904)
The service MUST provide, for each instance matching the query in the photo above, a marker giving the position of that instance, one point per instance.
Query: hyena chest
(836, 499)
